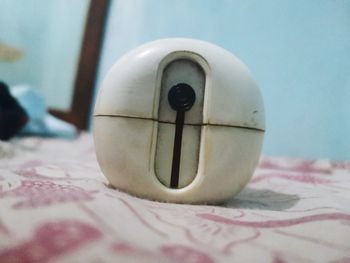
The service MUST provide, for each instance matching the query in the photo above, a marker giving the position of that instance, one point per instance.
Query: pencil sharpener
(179, 120)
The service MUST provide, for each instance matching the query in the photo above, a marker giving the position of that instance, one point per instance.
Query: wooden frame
(80, 109)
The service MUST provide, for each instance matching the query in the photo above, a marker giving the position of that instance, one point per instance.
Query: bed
(56, 206)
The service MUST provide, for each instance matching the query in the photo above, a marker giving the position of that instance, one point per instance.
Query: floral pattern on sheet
(56, 206)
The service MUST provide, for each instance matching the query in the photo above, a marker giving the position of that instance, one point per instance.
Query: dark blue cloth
(12, 116)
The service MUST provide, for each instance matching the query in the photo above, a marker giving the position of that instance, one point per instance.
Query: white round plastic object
(204, 151)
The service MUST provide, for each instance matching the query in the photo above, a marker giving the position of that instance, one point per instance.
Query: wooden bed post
(87, 68)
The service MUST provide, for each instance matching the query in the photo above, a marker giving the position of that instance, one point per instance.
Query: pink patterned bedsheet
(56, 206)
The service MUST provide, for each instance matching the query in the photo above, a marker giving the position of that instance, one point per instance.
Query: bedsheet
(56, 206)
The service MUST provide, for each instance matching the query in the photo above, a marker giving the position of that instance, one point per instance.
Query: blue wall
(49, 33)
(298, 52)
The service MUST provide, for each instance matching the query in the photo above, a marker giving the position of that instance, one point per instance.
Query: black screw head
(181, 97)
